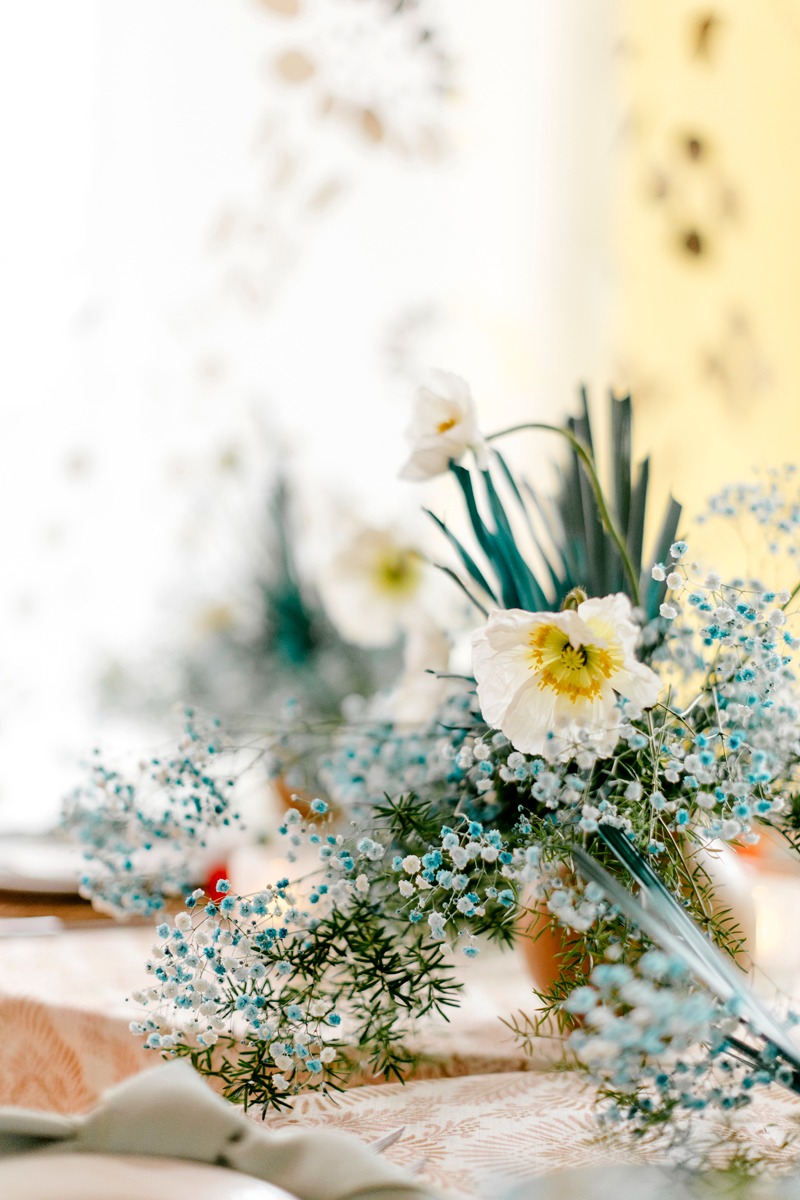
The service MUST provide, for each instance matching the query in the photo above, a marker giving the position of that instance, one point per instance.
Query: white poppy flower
(371, 587)
(550, 681)
(443, 426)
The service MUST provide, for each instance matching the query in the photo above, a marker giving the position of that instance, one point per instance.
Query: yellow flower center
(577, 672)
(443, 426)
(398, 573)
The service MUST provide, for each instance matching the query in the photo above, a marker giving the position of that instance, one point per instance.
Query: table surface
(478, 1111)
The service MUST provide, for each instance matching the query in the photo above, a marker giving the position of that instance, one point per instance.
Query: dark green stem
(602, 507)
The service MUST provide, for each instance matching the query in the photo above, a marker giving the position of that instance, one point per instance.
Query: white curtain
(207, 266)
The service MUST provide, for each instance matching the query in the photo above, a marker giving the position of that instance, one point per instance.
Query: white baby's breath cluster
(144, 834)
(731, 657)
(771, 502)
(660, 1045)
(219, 973)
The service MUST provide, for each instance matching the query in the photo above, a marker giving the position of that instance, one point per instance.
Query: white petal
(577, 630)
(579, 714)
(443, 426)
(508, 627)
(611, 618)
(430, 410)
(528, 718)
(498, 686)
(637, 682)
(597, 721)
(453, 389)
(426, 463)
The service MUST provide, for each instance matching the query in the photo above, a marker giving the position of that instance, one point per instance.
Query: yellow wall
(707, 228)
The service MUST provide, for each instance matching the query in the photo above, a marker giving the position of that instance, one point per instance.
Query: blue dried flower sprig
(142, 836)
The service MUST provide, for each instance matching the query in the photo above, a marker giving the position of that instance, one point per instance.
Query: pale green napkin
(170, 1112)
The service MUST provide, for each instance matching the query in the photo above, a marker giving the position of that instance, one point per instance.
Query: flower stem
(589, 467)
(794, 592)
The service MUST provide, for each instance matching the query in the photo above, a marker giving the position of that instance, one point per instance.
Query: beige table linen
(65, 1018)
(479, 1113)
(481, 1135)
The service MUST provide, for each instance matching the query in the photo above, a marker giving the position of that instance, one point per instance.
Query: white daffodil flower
(550, 681)
(443, 427)
(372, 586)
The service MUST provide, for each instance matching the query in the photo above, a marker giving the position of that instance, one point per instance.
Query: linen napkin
(170, 1112)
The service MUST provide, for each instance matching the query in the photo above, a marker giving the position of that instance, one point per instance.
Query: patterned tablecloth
(479, 1135)
(65, 1017)
(479, 1114)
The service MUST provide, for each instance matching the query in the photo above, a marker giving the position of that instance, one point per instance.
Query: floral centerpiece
(624, 715)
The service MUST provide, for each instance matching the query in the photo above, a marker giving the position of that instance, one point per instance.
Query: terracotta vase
(544, 943)
(288, 797)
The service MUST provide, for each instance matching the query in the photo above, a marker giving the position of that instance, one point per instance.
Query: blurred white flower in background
(419, 694)
(373, 587)
(550, 681)
(443, 427)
